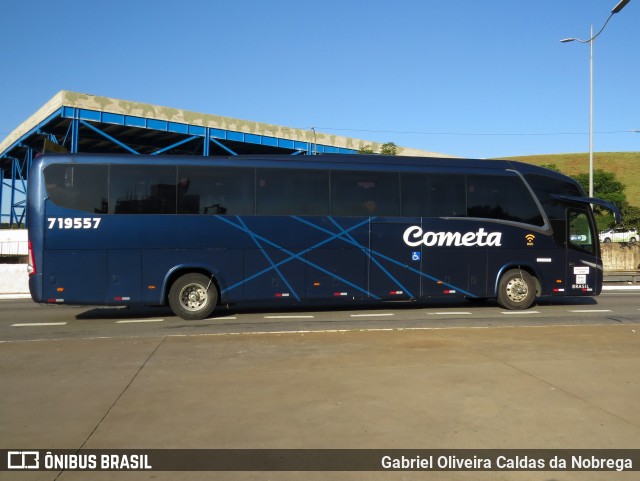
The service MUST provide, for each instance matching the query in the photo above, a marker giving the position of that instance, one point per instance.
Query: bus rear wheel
(193, 297)
(517, 290)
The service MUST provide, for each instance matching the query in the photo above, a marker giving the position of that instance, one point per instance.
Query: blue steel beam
(19, 175)
(200, 131)
(220, 144)
(14, 170)
(105, 135)
(206, 143)
(69, 132)
(1, 191)
(183, 141)
(75, 134)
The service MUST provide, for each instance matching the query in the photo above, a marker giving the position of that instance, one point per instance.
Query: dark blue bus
(194, 233)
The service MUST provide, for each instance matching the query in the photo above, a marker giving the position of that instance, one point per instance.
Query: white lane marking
(511, 313)
(138, 321)
(591, 310)
(288, 317)
(454, 313)
(326, 331)
(372, 315)
(39, 324)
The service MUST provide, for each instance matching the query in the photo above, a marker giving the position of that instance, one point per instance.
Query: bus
(194, 233)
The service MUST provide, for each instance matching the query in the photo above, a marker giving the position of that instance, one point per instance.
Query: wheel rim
(517, 289)
(193, 297)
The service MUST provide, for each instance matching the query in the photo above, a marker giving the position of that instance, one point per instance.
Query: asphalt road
(23, 320)
(562, 375)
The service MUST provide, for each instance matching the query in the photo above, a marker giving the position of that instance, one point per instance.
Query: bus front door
(584, 274)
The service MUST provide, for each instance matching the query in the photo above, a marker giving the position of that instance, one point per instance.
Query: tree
(631, 216)
(389, 148)
(365, 149)
(605, 186)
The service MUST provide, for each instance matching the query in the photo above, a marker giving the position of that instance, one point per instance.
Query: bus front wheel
(193, 297)
(517, 290)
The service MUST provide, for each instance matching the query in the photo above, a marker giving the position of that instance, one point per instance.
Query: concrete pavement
(526, 387)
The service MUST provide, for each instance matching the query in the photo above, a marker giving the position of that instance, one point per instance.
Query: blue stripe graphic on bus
(344, 236)
(387, 258)
(242, 227)
(366, 251)
(368, 254)
(266, 255)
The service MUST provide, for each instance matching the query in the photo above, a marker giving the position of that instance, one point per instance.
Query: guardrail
(14, 248)
(630, 277)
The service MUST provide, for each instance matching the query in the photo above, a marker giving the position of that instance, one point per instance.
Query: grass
(625, 166)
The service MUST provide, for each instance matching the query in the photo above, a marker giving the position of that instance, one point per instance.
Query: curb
(634, 287)
(7, 297)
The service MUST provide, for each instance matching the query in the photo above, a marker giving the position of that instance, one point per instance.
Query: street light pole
(619, 6)
(591, 114)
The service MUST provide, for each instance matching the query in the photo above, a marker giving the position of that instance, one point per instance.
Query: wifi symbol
(530, 238)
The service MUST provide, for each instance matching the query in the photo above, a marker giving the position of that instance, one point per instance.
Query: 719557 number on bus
(74, 222)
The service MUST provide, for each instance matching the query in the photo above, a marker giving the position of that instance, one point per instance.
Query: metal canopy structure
(83, 123)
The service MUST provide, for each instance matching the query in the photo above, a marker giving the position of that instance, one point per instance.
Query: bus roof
(322, 161)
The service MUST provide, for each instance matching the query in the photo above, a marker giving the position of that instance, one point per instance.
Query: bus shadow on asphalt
(151, 312)
(125, 312)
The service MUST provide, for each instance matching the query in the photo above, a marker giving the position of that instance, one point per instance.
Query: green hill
(625, 165)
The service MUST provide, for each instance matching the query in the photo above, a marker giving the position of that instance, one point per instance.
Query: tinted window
(79, 187)
(503, 198)
(365, 193)
(292, 192)
(545, 187)
(433, 195)
(215, 190)
(142, 189)
(580, 232)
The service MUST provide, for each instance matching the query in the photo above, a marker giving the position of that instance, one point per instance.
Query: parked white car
(619, 234)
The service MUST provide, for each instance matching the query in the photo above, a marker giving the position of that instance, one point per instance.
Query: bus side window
(78, 187)
(503, 198)
(365, 193)
(142, 189)
(433, 195)
(215, 190)
(292, 192)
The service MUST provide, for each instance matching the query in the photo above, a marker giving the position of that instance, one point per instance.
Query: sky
(470, 78)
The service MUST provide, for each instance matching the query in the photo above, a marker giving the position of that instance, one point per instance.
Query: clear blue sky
(475, 78)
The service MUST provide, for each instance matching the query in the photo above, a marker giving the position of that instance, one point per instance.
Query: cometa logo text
(414, 236)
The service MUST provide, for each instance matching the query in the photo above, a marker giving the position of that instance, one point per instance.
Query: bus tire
(517, 290)
(193, 297)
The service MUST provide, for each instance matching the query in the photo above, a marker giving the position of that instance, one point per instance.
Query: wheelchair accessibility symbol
(415, 256)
